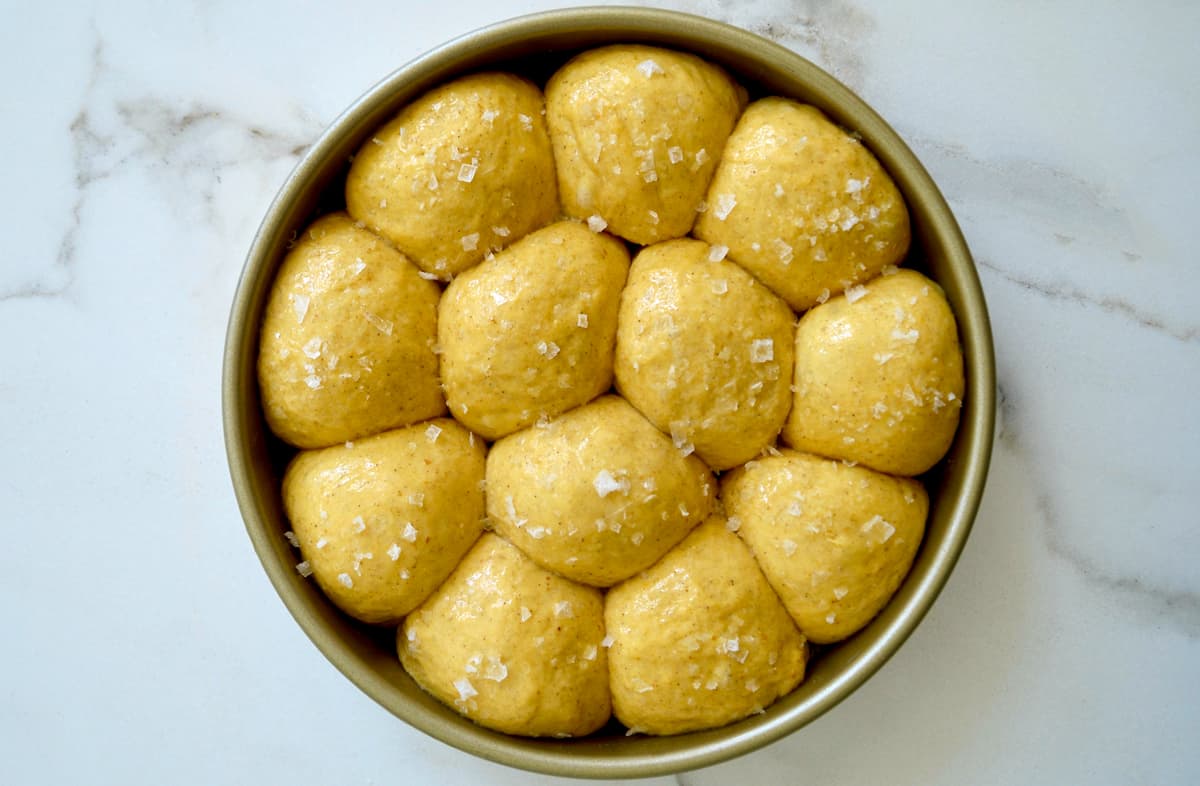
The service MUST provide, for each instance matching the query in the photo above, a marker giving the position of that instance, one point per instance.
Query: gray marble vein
(1133, 592)
(1112, 305)
(832, 33)
(186, 145)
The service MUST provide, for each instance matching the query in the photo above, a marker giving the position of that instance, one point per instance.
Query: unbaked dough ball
(637, 131)
(596, 494)
(835, 541)
(700, 639)
(879, 376)
(346, 347)
(803, 205)
(529, 333)
(383, 520)
(465, 168)
(512, 646)
(705, 351)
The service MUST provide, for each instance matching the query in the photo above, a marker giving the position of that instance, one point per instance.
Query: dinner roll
(382, 521)
(879, 376)
(463, 169)
(835, 541)
(512, 646)
(700, 639)
(596, 494)
(705, 351)
(637, 131)
(529, 333)
(346, 347)
(802, 204)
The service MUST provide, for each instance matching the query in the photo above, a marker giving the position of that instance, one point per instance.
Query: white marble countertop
(143, 643)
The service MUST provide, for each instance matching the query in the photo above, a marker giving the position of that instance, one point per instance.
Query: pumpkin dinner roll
(382, 521)
(346, 347)
(464, 169)
(512, 646)
(879, 376)
(802, 204)
(596, 494)
(529, 333)
(835, 541)
(637, 131)
(704, 351)
(699, 640)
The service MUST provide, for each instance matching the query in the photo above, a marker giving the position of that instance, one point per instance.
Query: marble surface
(143, 643)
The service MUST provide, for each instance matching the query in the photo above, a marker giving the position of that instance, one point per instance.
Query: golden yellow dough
(512, 646)
(803, 205)
(704, 351)
(529, 333)
(637, 132)
(346, 348)
(879, 380)
(596, 494)
(700, 639)
(465, 168)
(835, 541)
(383, 520)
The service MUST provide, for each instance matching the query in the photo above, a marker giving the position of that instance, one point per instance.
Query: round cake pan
(535, 46)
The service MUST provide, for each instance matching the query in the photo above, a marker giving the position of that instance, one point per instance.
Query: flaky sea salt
(596, 223)
(466, 172)
(649, 68)
(345, 580)
(719, 286)
(607, 641)
(563, 609)
(322, 543)
(525, 614)
(725, 205)
(788, 545)
(359, 524)
(907, 336)
(717, 253)
(840, 592)
(304, 568)
(581, 321)
(605, 483)
(762, 350)
(300, 306)
(291, 538)
(393, 552)
(823, 296)
(410, 532)
(856, 293)
(675, 154)
(469, 242)
(680, 438)
(733, 523)
(433, 432)
(465, 689)
(548, 349)
(384, 326)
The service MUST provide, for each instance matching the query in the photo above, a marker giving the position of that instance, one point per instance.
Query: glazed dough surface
(834, 541)
(529, 333)
(637, 131)
(464, 169)
(879, 376)
(512, 646)
(381, 522)
(700, 639)
(803, 205)
(596, 494)
(705, 351)
(346, 347)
